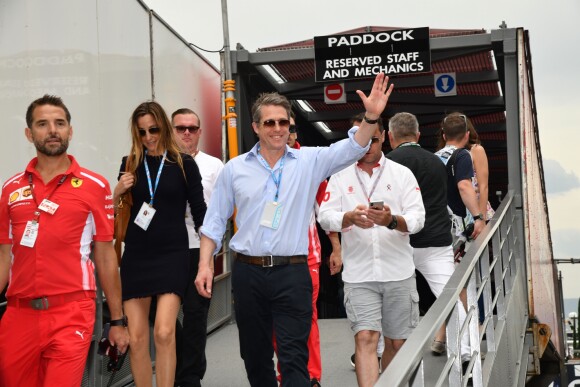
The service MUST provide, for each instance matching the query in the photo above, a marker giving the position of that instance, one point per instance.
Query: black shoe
(464, 366)
(315, 383)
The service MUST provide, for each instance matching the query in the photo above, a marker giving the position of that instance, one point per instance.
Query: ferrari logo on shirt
(76, 182)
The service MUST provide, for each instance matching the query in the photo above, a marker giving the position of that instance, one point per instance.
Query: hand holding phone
(377, 205)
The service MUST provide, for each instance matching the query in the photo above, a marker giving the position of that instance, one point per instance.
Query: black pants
(273, 300)
(191, 339)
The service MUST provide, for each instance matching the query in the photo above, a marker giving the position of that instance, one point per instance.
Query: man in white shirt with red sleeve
(50, 214)
(376, 203)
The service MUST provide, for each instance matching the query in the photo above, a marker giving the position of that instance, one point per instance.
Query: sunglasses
(191, 129)
(153, 130)
(292, 129)
(283, 123)
(374, 140)
(462, 116)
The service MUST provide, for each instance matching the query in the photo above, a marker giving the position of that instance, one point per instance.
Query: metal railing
(492, 270)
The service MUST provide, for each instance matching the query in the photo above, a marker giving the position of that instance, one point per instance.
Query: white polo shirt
(375, 254)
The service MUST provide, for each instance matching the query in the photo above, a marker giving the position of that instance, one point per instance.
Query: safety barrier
(499, 279)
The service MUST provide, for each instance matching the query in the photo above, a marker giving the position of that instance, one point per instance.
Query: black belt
(271, 260)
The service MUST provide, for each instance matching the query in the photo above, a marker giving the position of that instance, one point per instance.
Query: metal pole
(229, 89)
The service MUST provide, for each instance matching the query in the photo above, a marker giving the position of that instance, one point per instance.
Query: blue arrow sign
(445, 85)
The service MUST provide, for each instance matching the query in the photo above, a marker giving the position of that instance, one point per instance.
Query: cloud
(565, 242)
(557, 179)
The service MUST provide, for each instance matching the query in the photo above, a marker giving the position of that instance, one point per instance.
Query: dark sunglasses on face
(154, 130)
(284, 123)
(181, 129)
(374, 140)
(292, 129)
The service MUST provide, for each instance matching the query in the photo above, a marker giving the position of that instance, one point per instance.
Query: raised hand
(377, 99)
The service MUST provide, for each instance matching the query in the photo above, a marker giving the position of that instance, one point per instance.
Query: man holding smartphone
(379, 274)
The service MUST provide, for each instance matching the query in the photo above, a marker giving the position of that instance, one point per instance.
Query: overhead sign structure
(334, 93)
(363, 55)
(445, 84)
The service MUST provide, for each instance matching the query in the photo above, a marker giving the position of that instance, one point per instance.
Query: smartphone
(376, 205)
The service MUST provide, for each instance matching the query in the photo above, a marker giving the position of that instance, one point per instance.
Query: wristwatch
(478, 217)
(369, 121)
(393, 224)
(120, 322)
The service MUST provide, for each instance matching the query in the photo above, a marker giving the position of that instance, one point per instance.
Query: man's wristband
(120, 322)
(393, 224)
(478, 217)
(369, 121)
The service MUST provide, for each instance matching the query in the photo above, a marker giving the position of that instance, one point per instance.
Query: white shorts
(436, 264)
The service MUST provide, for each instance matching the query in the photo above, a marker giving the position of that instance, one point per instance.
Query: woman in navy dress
(155, 261)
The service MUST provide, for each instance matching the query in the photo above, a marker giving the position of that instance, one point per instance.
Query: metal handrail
(405, 369)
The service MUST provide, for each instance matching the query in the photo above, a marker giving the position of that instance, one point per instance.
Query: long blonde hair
(166, 139)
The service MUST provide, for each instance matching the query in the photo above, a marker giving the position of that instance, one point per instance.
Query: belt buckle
(267, 261)
(39, 303)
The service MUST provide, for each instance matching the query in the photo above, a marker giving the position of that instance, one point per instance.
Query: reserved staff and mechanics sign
(363, 55)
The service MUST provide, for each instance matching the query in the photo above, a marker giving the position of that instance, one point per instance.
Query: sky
(554, 41)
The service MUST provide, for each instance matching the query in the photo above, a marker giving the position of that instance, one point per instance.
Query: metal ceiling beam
(305, 89)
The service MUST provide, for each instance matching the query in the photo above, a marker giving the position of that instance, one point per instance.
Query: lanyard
(374, 184)
(152, 189)
(37, 212)
(279, 178)
(410, 143)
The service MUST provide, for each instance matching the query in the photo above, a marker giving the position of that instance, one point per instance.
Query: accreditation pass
(271, 215)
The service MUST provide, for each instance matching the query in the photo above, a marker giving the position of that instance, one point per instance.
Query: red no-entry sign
(334, 93)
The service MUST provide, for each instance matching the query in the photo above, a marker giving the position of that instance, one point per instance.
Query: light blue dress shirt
(246, 184)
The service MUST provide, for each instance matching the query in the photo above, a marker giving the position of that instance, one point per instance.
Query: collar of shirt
(377, 165)
(253, 153)
(74, 168)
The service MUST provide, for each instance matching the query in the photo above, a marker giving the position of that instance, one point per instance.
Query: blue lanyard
(152, 190)
(276, 180)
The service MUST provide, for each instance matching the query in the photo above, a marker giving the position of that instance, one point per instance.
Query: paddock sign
(363, 55)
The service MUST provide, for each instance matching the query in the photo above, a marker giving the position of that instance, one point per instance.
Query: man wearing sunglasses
(273, 188)
(51, 216)
(376, 204)
(293, 136)
(191, 340)
(336, 255)
(314, 259)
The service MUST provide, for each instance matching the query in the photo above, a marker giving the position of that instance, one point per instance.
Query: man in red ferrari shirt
(50, 214)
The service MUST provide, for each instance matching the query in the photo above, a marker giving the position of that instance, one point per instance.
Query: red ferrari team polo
(59, 262)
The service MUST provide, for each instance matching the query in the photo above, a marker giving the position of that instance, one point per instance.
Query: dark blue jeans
(273, 300)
